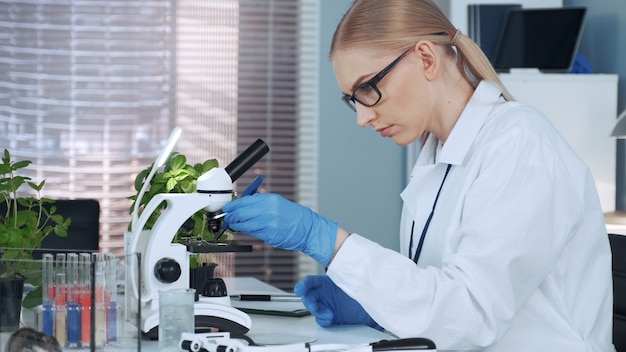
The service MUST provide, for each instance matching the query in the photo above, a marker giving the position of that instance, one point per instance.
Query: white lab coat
(516, 257)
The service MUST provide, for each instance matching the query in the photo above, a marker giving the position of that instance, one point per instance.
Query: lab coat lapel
(423, 171)
(418, 197)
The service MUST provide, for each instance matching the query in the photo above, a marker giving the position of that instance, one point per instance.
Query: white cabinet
(583, 107)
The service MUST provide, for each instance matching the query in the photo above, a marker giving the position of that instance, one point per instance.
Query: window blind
(239, 78)
(89, 89)
(85, 93)
(268, 109)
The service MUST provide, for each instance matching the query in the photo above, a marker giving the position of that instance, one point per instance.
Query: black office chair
(83, 235)
(618, 248)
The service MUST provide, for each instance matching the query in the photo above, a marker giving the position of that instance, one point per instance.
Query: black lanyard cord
(418, 251)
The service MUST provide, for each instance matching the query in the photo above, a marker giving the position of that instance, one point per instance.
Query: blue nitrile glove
(284, 224)
(329, 304)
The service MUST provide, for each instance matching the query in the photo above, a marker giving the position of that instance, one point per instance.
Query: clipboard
(256, 297)
(281, 308)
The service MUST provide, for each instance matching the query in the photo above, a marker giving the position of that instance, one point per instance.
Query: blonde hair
(395, 25)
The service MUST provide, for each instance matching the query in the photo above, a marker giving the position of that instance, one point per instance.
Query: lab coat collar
(467, 126)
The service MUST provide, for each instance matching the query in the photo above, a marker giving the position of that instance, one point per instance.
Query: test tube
(47, 295)
(100, 324)
(111, 296)
(84, 274)
(60, 331)
(60, 328)
(73, 310)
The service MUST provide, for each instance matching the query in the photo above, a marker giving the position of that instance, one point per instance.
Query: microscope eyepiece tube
(247, 159)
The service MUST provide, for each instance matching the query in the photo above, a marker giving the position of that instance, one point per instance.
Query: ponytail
(474, 65)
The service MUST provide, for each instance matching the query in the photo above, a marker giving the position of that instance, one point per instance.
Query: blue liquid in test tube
(73, 324)
(47, 294)
(112, 322)
(73, 308)
(111, 295)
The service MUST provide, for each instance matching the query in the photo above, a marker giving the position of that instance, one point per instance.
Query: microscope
(164, 265)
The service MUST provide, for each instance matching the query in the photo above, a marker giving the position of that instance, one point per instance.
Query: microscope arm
(157, 243)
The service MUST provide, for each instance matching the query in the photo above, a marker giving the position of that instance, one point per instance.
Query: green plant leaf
(193, 261)
(21, 164)
(38, 187)
(177, 173)
(4, 236)
(141, 177)
(192, 172)
(16, 182)
(156, 189)
(6, 158)
(60, 230)
(25, 223)
(57, 219)
(33, 298)
(171, 183)
(206, 166)
(176, 177)
(15, 241)
(160, 178)
(188, 186)
(178, 162)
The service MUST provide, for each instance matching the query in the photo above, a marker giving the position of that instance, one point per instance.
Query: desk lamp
(161, 159)
(619, 131)
(617, 217)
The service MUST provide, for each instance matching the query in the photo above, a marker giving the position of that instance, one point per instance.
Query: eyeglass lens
(367, 93)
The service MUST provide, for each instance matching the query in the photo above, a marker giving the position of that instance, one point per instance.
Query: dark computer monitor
(83, 234)
(544, 38)
(485, 23)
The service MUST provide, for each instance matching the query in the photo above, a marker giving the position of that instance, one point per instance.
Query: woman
(503, 242)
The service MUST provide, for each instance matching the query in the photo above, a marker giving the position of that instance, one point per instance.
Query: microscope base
(209, 317)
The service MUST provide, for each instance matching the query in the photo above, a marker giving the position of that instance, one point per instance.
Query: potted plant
(177, 176)
(23, 226)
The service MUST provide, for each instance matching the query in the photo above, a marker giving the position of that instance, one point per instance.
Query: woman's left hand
(329, 304)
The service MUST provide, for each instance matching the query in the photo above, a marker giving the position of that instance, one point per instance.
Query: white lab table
(271, 329)
(278, 330)
(268, 329)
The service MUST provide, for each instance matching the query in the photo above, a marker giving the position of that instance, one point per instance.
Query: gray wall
(604, 39)
(604, 44)
(361, 174)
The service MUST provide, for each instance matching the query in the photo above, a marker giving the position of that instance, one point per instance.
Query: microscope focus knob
(214, 287)
(167, 270)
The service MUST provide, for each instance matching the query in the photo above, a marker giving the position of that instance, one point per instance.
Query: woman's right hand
(284, 224)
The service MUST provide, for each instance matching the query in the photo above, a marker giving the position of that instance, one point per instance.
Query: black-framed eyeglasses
(367, 93)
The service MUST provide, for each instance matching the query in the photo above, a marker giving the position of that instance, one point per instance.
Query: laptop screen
(545, 38)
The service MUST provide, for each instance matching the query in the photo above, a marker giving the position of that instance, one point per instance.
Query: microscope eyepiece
(247, 159)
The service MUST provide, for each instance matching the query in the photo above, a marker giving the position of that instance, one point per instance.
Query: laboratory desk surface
(269, 329)
(280, 330)
(272, 329)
